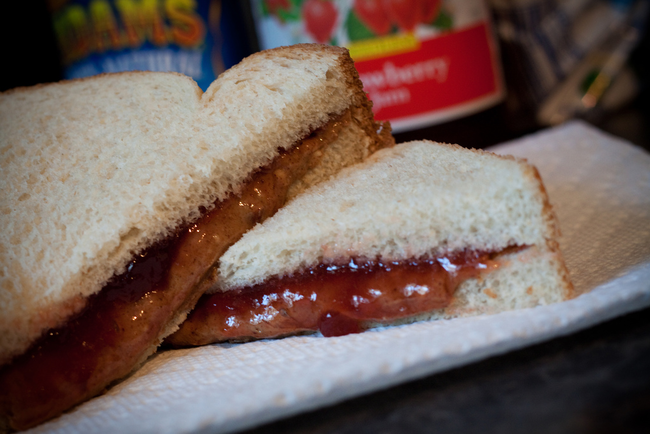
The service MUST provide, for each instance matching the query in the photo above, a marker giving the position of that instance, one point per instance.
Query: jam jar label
(422, 62)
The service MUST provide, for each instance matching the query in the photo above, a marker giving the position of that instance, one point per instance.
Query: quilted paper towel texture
(600, 187)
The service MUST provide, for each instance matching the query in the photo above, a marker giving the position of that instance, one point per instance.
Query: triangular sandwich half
(419, 231)
(120, 192)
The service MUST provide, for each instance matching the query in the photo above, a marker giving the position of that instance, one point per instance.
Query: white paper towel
(600, 187)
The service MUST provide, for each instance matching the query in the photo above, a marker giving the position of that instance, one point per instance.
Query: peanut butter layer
(334, 299)
(124, 323)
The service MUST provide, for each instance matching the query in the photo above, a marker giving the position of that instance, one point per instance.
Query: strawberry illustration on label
(275, 5)
(428, 10)
(320, 18)
(373, 15)
(404, 13)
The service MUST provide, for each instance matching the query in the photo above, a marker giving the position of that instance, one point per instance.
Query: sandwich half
(120, 193)
(419, 231)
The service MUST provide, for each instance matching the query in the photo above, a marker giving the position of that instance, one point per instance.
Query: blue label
(196, 38)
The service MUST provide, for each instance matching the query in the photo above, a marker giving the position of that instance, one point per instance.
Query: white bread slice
(96, 170)
(418, 200)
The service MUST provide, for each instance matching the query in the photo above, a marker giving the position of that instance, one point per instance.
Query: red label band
(447, 71)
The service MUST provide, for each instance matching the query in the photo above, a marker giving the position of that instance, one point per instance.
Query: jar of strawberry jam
(423, 63)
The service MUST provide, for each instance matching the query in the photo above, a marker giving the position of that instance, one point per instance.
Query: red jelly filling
(335, 299)
(74, 361)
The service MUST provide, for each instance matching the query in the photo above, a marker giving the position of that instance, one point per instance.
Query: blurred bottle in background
(422, 62)
(569, 59)
(561, 59)
(198, 38)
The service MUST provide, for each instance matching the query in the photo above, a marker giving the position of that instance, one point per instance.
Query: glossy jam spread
(335, 299)
(122, 324)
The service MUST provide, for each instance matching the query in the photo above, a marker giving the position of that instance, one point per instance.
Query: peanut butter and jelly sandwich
(419, 231)
(120, 193)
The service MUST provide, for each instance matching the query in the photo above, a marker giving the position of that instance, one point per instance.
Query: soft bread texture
(418, 200)
(96, 170)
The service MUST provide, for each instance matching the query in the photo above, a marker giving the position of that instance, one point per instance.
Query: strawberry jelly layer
(336, 300)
